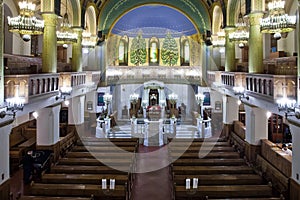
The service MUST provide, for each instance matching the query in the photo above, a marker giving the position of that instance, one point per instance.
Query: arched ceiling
(154, 21)
(195, 10)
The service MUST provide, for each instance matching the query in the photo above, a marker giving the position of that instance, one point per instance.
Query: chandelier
(277, 20)
(219, 39)
(26, 23)
(88, 40)
(66, 35)
(241, 34)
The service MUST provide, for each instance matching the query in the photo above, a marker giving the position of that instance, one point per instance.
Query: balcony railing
(233, 79)
(72, 79)
(140, 74)
(93, 77)
(30, 85)
(272, 86)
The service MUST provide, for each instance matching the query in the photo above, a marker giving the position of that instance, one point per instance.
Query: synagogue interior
(144, 100)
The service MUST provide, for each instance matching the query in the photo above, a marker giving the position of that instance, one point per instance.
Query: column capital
(254, 18)
(50, 19)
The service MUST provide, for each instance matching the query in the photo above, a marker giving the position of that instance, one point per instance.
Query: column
(229, 51)
(295, 179)
(1, 54)
(77, 51)
(49, 57)
(101, 52)
(255, 44)
(230, 113)
(5, 130)
(256, 129)
(298, 50)
(202, 58)
(48, 130)
(76, 111)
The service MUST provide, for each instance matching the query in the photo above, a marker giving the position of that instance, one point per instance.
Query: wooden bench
(190, 170)
(103, 143)
(93, 139)
(95, 162)
(225, 191)
(77, 190)
(28, 143)
(51, 198)
(207, 162)
(83, 178)
(99, 155)
(187, 144)
(205, 155)
(75, 169)
(103, 149)
(197, 149)
(221, 179)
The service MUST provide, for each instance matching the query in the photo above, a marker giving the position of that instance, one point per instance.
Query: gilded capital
(50, 19)
(254, 18)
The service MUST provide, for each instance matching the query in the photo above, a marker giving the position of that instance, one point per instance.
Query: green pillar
(77, 52)
(229, 51)
(1, 54)
(49, 56)
(255, 44)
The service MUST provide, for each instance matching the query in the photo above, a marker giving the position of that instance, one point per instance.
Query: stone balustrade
(233, 79)
(30, 85)
(141, 74)
(72, 79)
(93, 77)
(272, 86)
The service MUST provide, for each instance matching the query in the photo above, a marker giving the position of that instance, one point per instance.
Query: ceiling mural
(154, 21)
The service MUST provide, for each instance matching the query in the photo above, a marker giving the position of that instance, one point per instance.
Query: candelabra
(200, 100)
(134, 99)
(288, 106)
(107, 100)
(13, 105)
(241, 92)
(173, 99)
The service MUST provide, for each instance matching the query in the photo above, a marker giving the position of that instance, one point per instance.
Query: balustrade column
(295, 179)
(77, 52)
(230, 113)
(255, 44)
(230, 51)
(256, 129)
(49, 57)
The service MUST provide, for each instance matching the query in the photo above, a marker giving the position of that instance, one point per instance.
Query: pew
(225, 191)
(51, 198)
(121, 154)
(77, 169)
(190, 170)
(207, 162)
(189, 143)
(106, 143)
(221, 179)
(80, 190)
(204, 154)
(103, 148)
(83, 178)
(95, 162)
(198, 148)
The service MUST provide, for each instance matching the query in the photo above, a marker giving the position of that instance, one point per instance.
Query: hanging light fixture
(88, 40)
(277, 20)
(241, 34)
(66, 35)
(26, 23)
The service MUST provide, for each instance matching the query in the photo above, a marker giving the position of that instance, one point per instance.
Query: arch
(90, 16)
(184, 51)
(74, 11)
(195, 10)
(217, 17)
(232, 7)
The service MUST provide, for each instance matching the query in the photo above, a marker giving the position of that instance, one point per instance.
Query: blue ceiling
(154, 21)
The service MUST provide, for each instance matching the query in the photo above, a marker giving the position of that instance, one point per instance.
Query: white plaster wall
(91, 97)
(76, 110)
(4, 153)
(215, 96)
(230, 109)
(295, 130)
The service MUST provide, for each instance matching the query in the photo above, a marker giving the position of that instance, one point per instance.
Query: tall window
(123, 51)
(153, 51)
(186, 52)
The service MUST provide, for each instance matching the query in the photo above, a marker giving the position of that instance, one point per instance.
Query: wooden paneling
(294, 190)
(5, 190)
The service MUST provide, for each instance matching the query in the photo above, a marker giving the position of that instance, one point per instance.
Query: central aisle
(155, 185)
